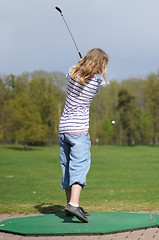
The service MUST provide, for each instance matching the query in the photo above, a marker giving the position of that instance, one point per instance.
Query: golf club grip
(80, 54)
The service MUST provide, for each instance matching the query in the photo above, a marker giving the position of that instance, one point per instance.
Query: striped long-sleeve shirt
(75, 117)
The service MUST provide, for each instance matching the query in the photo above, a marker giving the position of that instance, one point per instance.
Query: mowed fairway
(121, 178)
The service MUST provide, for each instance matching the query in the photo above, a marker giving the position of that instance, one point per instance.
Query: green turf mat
(59, 224)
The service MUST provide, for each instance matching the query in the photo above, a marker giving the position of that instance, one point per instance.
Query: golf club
(60, 11)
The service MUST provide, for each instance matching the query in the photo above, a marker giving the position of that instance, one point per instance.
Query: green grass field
(120, 179)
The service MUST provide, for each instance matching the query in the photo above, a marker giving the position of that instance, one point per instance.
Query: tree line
(31, 105)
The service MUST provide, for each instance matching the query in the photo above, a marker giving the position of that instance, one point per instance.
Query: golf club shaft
(60, 11)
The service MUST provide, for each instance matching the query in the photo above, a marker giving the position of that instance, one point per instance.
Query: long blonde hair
(95, 62)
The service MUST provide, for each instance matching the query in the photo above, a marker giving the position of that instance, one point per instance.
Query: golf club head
(59, 10)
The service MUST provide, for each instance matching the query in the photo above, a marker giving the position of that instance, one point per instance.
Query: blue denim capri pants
(75, 158)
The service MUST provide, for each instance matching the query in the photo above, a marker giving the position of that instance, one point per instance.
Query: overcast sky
(33, 35)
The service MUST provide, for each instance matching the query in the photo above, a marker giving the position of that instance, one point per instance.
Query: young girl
(85, 80)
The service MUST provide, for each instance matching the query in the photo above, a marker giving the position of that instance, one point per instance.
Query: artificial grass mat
(59, 224)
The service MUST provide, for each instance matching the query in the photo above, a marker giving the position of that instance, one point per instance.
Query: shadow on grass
(47, 208)
(58, 210)
(21, 148)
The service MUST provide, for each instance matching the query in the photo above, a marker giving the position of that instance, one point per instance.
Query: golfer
(85, 80)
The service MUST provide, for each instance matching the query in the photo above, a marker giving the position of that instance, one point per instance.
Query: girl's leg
(75, 194)
(68, 195)
(73, 208)
(64, 150)
(79, 163)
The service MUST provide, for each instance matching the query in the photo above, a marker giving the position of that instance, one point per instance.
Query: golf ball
(113, 122)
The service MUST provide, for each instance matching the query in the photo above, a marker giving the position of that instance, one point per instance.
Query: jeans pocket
(75, 136)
